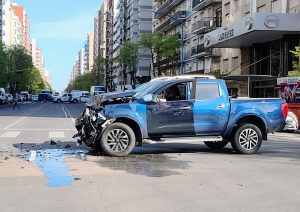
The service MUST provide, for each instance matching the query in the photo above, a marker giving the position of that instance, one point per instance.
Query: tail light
(284, 109)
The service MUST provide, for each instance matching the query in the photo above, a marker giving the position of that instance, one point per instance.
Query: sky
(60, 27)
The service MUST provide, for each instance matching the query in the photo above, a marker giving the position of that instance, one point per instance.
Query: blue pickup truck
(179, 106)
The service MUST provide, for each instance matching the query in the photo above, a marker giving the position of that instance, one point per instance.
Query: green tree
(161, 46)
(296, 61)
(83, 82)
(129, 58)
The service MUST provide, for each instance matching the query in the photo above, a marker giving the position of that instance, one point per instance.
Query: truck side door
(173, 114)
(211, 108)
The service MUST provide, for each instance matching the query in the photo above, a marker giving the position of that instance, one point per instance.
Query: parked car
(10, 98)
(45, 97)
(25, 95)
(85, 97)
(66, 97)
(3, 99)
(180, 106)
(35, 98)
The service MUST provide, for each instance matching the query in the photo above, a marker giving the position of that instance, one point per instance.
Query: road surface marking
(68, 112)
(56, 135)
(43, 129)
(21, 119)
(10, 135)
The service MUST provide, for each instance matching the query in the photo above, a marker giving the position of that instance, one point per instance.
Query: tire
(59, 100)
(247, 139)
(216, 145)
(75, 100)
(117, 148)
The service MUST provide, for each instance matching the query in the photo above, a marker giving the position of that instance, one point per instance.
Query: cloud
(73, 29)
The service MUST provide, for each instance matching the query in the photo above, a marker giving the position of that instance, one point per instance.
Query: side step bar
(184, 139)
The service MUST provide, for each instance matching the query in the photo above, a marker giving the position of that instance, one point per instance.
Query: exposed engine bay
(93, 121)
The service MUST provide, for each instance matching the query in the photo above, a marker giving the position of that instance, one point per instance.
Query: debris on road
(52, 142)
(32, 156)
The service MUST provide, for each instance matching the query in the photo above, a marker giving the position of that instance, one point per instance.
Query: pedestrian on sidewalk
(16, 100)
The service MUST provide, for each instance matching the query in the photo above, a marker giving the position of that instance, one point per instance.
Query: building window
(275, 6)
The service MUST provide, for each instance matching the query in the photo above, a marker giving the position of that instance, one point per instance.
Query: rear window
(205, 91)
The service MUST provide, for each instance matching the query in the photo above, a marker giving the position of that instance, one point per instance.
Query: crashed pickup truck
(177, 107)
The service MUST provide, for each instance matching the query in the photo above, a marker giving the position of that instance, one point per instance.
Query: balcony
(202, 4)
(200, 51)
(206, 25)
(165, 8)
(169, 23)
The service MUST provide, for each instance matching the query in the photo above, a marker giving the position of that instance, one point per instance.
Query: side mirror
(150, 98)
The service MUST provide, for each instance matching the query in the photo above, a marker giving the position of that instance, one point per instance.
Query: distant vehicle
(10, 98)
(56, 94)
(66, 97)
(46, 91)
(3, 99)
(96, 90)
(85, 97)
(25, 95)
(35, 98)
(45, 97)
(76, 95)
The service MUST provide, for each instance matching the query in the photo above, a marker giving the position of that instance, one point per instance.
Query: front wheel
(247, 139)
(118, 140)
(216, 144)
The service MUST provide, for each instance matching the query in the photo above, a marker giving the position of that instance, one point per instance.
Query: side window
(205, 91)
(177, 92)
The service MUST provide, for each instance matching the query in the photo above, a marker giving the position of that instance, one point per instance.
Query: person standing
(16, 100)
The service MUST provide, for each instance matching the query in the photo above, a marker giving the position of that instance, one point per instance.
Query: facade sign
(288, 80)
(225, 35)
(272, 21)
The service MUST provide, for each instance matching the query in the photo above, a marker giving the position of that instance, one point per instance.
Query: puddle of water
(52, 163)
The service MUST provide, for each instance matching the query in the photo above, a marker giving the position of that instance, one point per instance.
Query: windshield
(147, 88)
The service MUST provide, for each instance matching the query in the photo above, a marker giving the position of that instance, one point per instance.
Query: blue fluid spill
(52, 163)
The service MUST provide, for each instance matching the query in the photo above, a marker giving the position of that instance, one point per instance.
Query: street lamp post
(182, 25)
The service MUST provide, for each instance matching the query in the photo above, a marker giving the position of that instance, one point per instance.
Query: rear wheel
(216, 144)
(247, 139)
(59, 100)
(75, 100)
(118, 139)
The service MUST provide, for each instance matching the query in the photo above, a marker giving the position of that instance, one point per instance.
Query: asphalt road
(175, 175)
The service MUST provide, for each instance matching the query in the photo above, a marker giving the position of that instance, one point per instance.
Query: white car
(291, 122)
(10, 98)
(85, 98)
(3, 98)
(66, 97)
(35, 98)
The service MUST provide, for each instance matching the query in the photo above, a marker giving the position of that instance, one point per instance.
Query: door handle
(185, 108)
(221, 106)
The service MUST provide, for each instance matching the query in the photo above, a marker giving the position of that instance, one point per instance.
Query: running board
(184, 139)
(209, 138)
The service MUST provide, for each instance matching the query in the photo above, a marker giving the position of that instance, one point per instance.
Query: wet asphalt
(43, 169)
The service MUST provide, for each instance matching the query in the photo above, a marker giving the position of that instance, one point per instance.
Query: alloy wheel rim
(117, 140)
(248, 139)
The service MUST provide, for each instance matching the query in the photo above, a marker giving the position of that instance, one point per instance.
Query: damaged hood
(107, 97)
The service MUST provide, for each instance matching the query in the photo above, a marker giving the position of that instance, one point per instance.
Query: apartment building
(190, 21)
(23, 20)
(256, 37)
(132, 19)
(90, 51)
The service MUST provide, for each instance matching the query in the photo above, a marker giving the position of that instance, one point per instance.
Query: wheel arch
(255, 120)
(134, 126)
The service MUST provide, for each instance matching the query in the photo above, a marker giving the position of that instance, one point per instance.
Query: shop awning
(254, 28)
